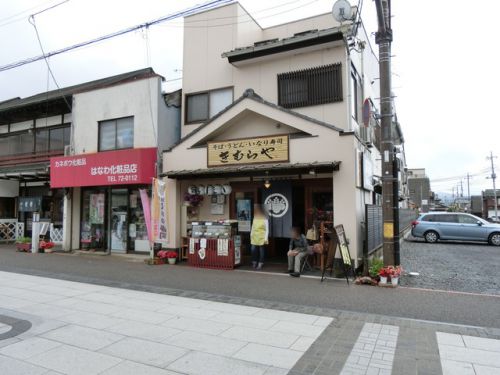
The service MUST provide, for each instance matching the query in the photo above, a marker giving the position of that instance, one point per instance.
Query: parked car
(455, 226)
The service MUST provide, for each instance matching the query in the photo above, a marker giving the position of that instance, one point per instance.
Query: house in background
(419, 188)
(276, 112)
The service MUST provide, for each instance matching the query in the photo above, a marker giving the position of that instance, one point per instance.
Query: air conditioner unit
(67, 150)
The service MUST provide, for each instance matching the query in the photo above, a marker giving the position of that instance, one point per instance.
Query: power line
(186, 12)
(21, 15)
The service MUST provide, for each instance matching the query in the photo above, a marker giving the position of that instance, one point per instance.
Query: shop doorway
(119, 220)
(113, 219)
(311, 204)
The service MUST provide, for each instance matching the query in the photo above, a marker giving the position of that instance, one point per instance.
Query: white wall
(138, 98)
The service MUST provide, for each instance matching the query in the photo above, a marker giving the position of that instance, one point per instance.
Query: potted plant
(383, 273)
(46, 246)
(23, 244)
(170, 256)
(395, 274)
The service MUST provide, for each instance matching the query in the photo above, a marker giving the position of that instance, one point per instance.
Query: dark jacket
(299, 244)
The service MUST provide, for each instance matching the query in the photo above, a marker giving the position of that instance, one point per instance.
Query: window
(52, 139)
(356, 96)
(116, 134)
(312, 86)
(465, 219)
(202, 106)
(446, 218)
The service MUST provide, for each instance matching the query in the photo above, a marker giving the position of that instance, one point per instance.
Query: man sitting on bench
(296, 251)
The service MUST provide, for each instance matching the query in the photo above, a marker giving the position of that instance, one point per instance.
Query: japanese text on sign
(271, 149)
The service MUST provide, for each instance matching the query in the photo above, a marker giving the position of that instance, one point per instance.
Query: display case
(214, 244)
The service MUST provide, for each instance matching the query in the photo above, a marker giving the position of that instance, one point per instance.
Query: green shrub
(23, 240)
(376, 265)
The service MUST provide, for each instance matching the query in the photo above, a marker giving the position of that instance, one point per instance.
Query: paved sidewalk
(50, 326)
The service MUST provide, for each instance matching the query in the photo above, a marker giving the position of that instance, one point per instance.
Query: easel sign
(345, 255)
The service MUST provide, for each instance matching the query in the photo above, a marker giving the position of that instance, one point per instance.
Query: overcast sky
(445, 64)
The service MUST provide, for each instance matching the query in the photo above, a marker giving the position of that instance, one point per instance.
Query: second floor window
(52, 139)
(116, 134)
(313, 86)
(204, 105)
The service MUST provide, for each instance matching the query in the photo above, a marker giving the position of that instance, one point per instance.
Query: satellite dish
(342, 11)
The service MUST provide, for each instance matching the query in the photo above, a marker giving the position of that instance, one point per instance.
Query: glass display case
(213, 229)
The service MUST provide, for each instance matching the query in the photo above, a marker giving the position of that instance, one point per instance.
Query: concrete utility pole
(493, 178)
(383, 37)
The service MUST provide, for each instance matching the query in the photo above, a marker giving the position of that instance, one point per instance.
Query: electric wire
(186, 12)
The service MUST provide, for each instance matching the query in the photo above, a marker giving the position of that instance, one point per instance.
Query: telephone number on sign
(123, 178)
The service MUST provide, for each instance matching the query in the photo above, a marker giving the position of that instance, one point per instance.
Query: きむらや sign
(122, 167)
(269, 149)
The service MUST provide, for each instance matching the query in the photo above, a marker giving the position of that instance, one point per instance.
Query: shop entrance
(311, 203)
(113, 219)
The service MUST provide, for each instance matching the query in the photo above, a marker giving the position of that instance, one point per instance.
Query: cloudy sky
(444, 64)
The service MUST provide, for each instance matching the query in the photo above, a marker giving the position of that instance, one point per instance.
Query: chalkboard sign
(345, 256)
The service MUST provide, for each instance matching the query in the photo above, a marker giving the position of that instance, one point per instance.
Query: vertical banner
(277, 202)
(146, 207)
(159, 211)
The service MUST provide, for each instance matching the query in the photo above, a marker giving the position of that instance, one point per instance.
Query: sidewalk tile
(196, 325)
(151, 332)
(276, 371)
(449, 339)
(12, 366)
(482, 343)
(323, 321)
(91, 320)
(147, 352)
(29, 348)
(302, 343)
(143, 316)
(298, 329)
(134, 368)
(74, 361)
(235, 309)
(197, 363)
(243, 320)
(456, 368)
(206, 343)
(476, 356)
(83, 337)
(185, 311)
(486, 370)
(260, 336)
(287, 316)
(268, 355)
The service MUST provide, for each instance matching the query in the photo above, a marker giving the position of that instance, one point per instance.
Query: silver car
(455, 226)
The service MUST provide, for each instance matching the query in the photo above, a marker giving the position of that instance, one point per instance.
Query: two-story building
(118, 129)
(78, 156)
(274, 116)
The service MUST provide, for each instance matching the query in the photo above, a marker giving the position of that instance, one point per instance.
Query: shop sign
(122, 167)
(30, 204)
(270, 149)
(159, 211)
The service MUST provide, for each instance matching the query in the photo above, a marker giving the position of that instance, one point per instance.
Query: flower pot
(394, 280)
(171, 260)
(383, 280)
(23, 246)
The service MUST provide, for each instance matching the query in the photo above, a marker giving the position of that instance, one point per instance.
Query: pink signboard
(123, 167)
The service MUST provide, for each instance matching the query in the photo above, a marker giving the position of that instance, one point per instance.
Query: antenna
(342, 11)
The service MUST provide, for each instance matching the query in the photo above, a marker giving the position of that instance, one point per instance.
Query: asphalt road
(478, 310)
(466, 267)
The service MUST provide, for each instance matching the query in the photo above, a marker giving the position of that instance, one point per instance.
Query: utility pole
(383, 37)
(468, 192)
(493, 178)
